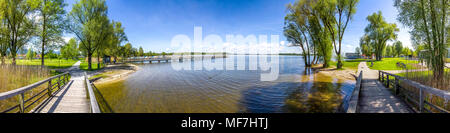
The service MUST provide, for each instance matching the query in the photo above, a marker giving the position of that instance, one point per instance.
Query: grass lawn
(391, 64)
(50, 63)
(349, 64)
(84, 66)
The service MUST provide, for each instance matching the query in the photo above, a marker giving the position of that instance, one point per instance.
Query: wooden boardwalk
(70, 99)
(375, 98)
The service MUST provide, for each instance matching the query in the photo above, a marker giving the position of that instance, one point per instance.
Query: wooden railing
(353, 99)
(55, 82)
(417, 94)
(93, 100)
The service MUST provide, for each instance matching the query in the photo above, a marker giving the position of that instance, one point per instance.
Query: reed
(14, 77)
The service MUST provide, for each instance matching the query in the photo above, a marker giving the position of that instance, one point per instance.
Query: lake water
(158, 88)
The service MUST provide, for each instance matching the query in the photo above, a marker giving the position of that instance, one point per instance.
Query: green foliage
(19, 25)
(391, 64)
(428, 20)
(366, 46)
(379, 32)
(70, 51)
(51, 25)
(95, 66)
(127, 51)
(117, 38)
(31, 54)
(141, 51)
(358, 50)
(90, 24)
(398, 48)
(335, 15)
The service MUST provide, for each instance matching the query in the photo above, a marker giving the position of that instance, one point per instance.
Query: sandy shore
(114, 73)
(332, 71)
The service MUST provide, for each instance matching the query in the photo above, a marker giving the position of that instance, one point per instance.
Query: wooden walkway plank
(375, 98)
(70, 99)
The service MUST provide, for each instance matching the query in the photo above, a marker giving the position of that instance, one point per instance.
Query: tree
(89, 22)
(19, 25)
(295, 30)
(118, 37)
(366, 46)
(358, 50)
(335, 15)
(398, 48)
(30, 54)
(4, 35)
(141, 51)
(50, 27)
(428, 20)
(379, 32)
(389, 51)
(303, 28)
(69, 51)
(406, 51)
(128, 50)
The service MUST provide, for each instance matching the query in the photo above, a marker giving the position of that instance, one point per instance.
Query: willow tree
(88, 21)
(366, 46)
(19, 26)
(50, 27)
(429, 22)
(3, 35)
(295, 30)
(114, 48)
(398, 47)
(335, 15)
(379, 32)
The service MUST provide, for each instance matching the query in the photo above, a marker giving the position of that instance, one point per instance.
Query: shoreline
(113, 73)
(348, 74)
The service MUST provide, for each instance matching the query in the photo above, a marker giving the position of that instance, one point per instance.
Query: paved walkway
(375, 98)
(70, 99)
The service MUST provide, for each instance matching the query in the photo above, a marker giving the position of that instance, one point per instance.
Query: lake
(159, 88)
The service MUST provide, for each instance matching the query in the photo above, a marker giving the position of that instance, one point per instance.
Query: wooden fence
(420, 97)
(353, 99)
(55, 83)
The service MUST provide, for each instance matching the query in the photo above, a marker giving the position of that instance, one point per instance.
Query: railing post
(49, 92)
(397, 86)
(382, 77)
(379, 75)
(387, 79)
(59, 82)
(421, 100)
(21, 103)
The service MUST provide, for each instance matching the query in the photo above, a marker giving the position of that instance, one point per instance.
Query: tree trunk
(98, 61)
(13, 60)
(339, 63)
(314, 59)
(43, 38)
(42, 54)
(89, 61)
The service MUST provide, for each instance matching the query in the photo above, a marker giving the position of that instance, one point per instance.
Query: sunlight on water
(160, 89)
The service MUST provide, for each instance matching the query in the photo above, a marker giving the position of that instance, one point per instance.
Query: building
(352, 55)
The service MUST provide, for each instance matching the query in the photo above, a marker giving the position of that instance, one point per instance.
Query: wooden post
(21, 103)
(59, 82)
(421, 99)
(397, 86)
(379, 75)
(387, 83)
(49, 92)
(382, 77)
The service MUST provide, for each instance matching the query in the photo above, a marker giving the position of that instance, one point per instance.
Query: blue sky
(153, 23)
